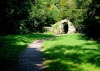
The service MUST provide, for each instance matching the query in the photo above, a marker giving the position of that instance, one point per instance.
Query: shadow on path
(32, 58)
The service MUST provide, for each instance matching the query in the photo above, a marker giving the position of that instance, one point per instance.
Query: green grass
(74, 52)
(12, 45)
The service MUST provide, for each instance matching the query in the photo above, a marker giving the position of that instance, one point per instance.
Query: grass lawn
(73, 52)
(12, 45)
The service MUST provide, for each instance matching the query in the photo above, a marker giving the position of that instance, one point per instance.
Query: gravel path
(32, 58)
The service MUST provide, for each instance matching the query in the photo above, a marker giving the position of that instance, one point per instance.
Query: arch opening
(65, 27)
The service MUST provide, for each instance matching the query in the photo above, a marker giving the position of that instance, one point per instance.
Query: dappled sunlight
(71, 53)
(20, 43)
(68, 29)
(11, 46)
(59, 65)
(89, 67)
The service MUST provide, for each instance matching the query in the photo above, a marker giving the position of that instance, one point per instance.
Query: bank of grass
(12, 45)
(74, 52)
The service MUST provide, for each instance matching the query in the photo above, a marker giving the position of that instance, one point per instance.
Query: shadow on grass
(69, 58)
(57, 65)
(12, 45)
(86, 37)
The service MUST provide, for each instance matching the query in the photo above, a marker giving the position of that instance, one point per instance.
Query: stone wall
(71, 29)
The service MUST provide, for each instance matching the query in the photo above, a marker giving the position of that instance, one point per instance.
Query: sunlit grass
(74, 52)
(11, 47)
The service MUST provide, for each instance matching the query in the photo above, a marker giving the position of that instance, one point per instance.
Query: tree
(25, 16)
(14, 14)
(92, 20)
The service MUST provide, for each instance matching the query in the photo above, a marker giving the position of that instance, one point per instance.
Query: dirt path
(32, 58)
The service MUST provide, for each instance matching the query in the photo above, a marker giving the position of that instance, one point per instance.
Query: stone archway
(63, 26)
(67, 27)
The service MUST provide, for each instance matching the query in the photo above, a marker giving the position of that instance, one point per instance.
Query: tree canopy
(26, 16)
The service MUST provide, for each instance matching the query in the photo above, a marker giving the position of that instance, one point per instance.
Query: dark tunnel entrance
(65, 27)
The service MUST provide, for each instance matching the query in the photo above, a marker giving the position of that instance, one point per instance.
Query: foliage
(73, 11)
(16, 13)
(23, 16)
(77, 17)
(27, 16)
(83, 4)
(55, 28)
(92, 20)
(74, 52)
